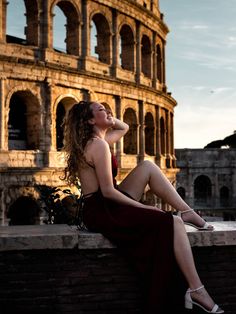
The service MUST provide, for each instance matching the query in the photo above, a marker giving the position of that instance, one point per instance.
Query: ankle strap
(193, 290)
(186, 211)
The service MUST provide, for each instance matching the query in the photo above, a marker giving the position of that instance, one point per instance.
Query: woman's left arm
(118, 130)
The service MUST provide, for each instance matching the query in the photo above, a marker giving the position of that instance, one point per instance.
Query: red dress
(145, 236)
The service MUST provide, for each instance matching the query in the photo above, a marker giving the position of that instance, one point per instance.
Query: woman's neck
(99, 133)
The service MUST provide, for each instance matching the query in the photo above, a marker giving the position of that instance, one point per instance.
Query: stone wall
(207, 179)
(56, 269)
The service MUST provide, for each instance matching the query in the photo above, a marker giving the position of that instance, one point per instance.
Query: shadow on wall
(24, 211)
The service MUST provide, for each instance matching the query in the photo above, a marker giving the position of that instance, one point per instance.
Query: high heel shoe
(189, 303)
(206, 225)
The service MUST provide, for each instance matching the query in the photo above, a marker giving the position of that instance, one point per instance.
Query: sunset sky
(200, 64)
(201, 68)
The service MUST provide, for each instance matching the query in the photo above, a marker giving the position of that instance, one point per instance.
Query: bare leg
(184, 258)
(149, 173)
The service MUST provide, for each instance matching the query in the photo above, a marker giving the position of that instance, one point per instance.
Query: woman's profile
(152, 239)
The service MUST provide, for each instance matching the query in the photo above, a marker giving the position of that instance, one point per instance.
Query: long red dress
(145, 236)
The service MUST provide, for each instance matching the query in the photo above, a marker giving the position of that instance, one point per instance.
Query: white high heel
(206, 225)
(189, 303)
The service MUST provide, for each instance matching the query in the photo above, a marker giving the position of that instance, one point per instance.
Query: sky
(200, 65)
(201, 69)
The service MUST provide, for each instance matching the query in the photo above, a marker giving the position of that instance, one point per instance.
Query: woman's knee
(147, 164)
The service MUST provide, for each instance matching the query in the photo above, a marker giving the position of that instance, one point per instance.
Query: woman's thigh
(136, 181)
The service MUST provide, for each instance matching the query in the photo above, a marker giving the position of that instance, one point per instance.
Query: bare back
(87, 174)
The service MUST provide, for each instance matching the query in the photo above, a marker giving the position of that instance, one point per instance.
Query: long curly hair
(77, 132)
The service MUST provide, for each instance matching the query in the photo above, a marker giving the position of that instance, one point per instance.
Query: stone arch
(163, 133)
(181, 191)
(62, 107)
(149, 134)
(24, 211)
(224, 196)
(159, 63)
(24, 121)
(101, 41)
(126, 47)
(131, 137)
(146, 56)
(72, 15)
(202, 191)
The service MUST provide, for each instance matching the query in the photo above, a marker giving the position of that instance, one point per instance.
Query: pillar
(154, 60)
(138, 52)
(46, 19)
(115, 43)
(3, 144)
(141, 139)
(119, 145)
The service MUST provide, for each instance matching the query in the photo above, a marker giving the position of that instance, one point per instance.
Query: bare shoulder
(96, 147)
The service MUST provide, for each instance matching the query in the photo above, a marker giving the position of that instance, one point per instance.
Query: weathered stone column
(119, 145)
(158, 136)
(3, 9)
(168, 141)
(46, 19)
(190, 191)
(86, 94)
(154, 60)
(163, 72)
(138, 53)
(115, 42)
(2, 114)
(85, 30)
(48, 145)
(141, 139)
(215, 197)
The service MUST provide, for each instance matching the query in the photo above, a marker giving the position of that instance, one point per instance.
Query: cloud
(192, 26)
(210, 61)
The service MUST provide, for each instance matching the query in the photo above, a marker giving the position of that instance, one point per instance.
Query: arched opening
(130, 138)
(24, 211)
(59, 128)
(126, 48)
(66, 28)
(202, 191)
(181, 192)
(100, 38)
(146, 55)
(162, 130)
(63, 106)
(159, 63)
(224, 197)
(23, 121)
(17, 124)
(16, 22)
(149, 134)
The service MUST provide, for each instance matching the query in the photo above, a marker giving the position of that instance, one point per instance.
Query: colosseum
(115, 53)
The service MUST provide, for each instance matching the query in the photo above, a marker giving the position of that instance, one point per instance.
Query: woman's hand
(118, 130)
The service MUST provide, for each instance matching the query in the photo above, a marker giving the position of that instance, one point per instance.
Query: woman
(152, 239)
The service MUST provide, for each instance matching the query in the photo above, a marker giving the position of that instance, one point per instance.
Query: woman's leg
(149, 173)
(185, 260)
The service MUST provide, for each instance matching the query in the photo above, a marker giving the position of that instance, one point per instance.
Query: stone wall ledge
(38, 237)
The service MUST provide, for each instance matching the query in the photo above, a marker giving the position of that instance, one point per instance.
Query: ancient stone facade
(207, 179)
(38, 85)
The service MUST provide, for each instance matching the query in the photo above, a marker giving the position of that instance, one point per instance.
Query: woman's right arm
(101, 157)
